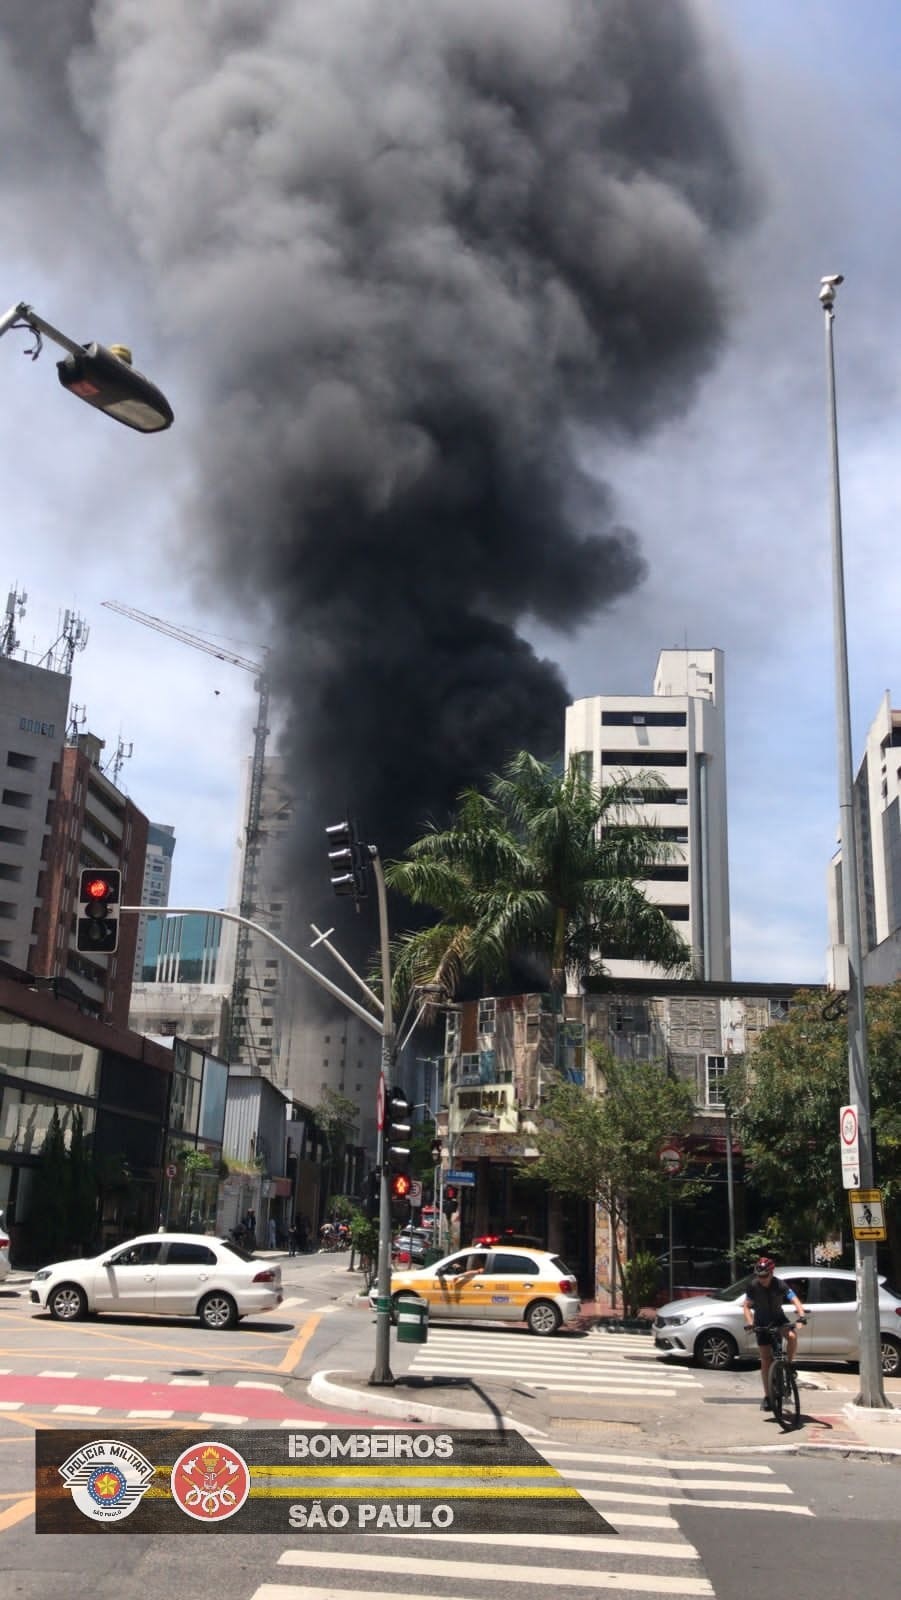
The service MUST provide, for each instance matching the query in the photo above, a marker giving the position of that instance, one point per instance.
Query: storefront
(111, 1083)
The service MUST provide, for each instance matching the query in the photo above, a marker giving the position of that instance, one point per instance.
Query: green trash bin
(412, 1318)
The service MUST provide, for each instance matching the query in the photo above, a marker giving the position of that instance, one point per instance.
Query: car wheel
(67, 1303)
(891, 1357)
(716, 1351)
(543, 1317)
(217, 1310)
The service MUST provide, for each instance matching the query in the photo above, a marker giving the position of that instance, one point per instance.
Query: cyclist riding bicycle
(763, 1312)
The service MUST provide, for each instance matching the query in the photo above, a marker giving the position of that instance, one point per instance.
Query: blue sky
(730, 498)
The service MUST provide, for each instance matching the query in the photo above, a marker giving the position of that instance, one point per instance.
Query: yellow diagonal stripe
(399, 1469)
(515, 1492)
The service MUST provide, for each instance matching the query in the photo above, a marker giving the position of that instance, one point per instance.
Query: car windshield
(734, 1291)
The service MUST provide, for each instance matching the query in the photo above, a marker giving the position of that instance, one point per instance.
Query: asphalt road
(707, 1520)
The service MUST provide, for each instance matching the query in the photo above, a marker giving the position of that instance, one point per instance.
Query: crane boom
(239, 1041)
(182, 634)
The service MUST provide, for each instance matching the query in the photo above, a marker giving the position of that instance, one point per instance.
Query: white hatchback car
(710, 1330)
(164, 1275)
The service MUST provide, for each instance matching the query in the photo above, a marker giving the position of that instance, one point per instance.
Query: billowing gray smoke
(424, 254)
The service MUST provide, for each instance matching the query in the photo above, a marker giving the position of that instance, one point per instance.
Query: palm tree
(544, 867)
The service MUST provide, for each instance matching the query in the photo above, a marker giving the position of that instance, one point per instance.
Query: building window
(779, 1010)
(452, 1033)
(24, 763)
(487, 1010)
(16, 797)
(715, 1081)
(639, 719)
(470, 1068)
(643, 757)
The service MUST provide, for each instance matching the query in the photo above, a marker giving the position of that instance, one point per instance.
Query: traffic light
(106, 379)
(436, 1152)
(372, 1197)
(348, 860)
(450, 1201)
(399, 1185)
(396, 1136)
(97, 931)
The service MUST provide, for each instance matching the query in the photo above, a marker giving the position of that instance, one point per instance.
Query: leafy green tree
(788, 1097)
(336, 1116)
(606, 1148)
(51, 1208)
(82, 1186)
(546, 867)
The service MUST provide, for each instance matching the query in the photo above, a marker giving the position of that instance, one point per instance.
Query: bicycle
(782, 1381)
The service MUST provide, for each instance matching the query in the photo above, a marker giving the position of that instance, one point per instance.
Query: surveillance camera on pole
(828, 286)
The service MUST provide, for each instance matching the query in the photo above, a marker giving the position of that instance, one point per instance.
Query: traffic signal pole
(384, 1025)
(381, 1372)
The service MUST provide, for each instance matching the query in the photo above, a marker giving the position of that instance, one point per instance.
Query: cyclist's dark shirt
(767, 1300)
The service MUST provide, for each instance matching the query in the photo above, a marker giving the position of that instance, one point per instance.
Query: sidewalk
(696, 1420)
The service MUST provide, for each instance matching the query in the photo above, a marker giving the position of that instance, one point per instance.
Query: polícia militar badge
(107, 1479)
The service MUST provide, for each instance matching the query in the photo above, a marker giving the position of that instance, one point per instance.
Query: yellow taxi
(495, 1285)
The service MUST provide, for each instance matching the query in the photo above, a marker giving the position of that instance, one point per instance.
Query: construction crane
(252, 833)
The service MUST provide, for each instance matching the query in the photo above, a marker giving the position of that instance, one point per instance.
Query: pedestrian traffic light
(436, 1152)
(97, 930)
(396, 1135)
(399, 1186)
(348, 860)
(450, 1201)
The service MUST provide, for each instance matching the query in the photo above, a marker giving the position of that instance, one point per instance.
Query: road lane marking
(299, 1343)
(76, 1411)
(161, 1416)
(472, 1573)
(17, 1513)
(620, 1460)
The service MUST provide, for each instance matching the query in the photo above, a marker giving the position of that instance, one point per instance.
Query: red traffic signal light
(401, 1183)
(97, 930)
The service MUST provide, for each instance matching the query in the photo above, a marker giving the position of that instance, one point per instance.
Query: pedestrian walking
(293, 1237)
(273, 1233)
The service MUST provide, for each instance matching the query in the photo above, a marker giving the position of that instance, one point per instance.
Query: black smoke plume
(424, 255)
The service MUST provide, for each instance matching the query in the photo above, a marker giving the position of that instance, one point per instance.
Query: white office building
(877, 810)
(679, 733)
(33, 708)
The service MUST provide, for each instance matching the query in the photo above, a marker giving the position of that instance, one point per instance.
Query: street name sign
(460, 1178)
(850, 1146)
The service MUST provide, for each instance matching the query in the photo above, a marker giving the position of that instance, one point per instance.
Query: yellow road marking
(403, 1469)
(299, 1343)
(17, 1513)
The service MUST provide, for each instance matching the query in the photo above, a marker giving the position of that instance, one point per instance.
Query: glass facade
(181, 949)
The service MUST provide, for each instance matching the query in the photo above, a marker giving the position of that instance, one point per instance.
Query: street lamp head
(828, 286)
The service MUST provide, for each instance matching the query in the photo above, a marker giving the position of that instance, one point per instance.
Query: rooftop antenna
(115, 765)
(15, 608)
(73, 636)
(78, 716)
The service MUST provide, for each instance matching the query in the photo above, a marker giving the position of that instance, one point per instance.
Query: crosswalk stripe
(616, 1496)
(584, 1475)
(477, 1572)
(673, 1464)
(588, 1544)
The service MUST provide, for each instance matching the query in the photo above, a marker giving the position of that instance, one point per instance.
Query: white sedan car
(4, 1250)
(164, 1275)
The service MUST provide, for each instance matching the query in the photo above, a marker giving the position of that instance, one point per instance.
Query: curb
(321, 1387)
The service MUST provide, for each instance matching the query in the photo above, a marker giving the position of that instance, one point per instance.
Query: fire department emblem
(210, 1481)
(107, 1479)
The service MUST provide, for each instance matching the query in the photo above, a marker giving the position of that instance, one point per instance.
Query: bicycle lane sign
(849, 1142)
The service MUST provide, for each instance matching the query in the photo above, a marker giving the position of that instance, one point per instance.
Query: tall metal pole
(381, 1372)
(872, 1392)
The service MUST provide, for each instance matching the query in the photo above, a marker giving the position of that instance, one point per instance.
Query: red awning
(280, 1188)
